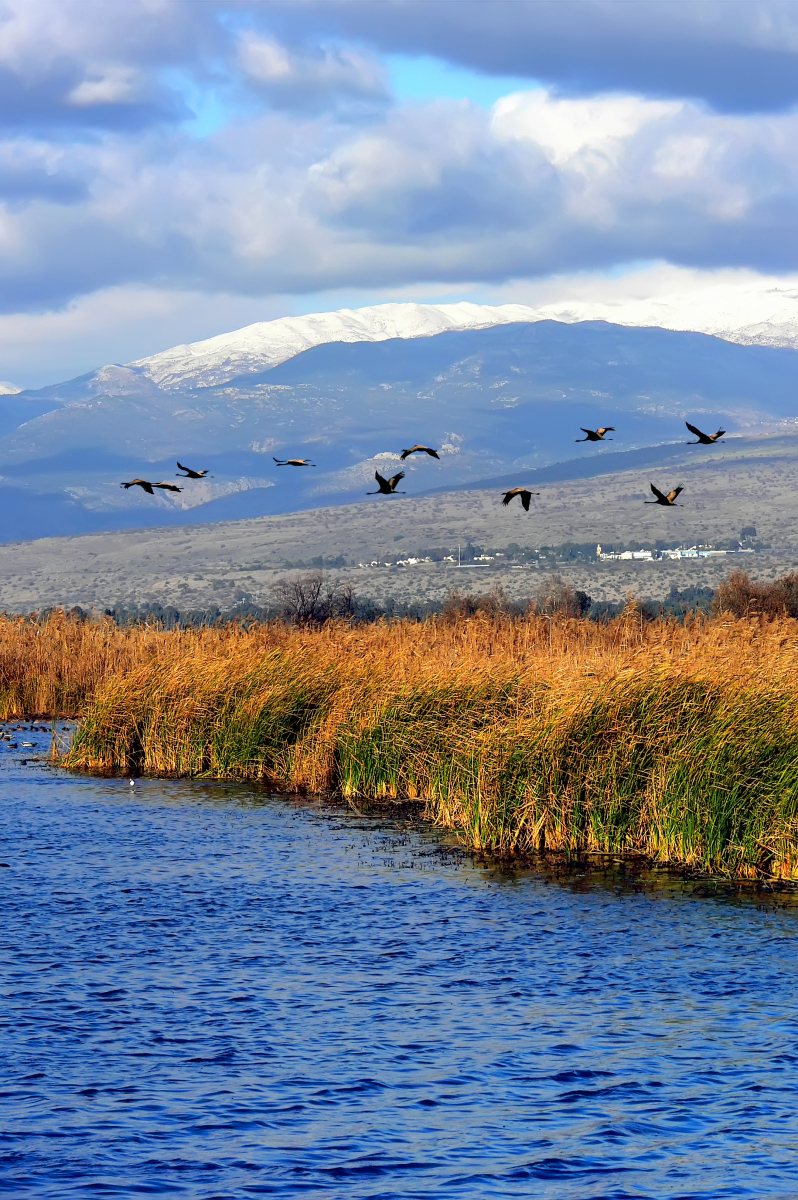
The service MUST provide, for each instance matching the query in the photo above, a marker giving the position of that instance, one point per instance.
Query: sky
(173, 169)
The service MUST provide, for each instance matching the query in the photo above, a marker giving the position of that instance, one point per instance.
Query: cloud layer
(254, 149)
(440, 192)
(736, 56)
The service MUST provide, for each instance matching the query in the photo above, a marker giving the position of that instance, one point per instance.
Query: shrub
(739, 596)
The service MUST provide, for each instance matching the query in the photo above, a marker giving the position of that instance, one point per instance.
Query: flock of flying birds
(387, 487)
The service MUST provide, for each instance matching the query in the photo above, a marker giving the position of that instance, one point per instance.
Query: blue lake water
(215, 993)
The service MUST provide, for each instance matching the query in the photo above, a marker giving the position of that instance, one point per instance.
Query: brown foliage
(52, 668)
(494, 604)
(55, 667)
(678, 741)
(739, 596)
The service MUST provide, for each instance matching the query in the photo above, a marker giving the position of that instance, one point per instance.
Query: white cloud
(118, 325)
(576, 133)
(107, 85)
(142, 235)
(267, 61)
(681, 155)
(438, 192)
(739, 305)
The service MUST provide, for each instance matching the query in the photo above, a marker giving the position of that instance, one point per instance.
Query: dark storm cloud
(737, 56)
(91, 64)
(95, 64)
(126, 66)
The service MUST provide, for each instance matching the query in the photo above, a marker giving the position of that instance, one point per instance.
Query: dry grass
(54, 669)
(680, 742)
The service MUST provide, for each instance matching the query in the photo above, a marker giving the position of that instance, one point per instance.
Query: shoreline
(678, 744)
(524, 736)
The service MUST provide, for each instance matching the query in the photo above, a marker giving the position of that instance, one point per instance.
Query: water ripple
(213, 993)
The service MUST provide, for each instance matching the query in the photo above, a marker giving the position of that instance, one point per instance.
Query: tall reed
(678, 742)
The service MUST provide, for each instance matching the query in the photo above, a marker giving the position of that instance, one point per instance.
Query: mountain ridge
(498, 402)
(266, 344)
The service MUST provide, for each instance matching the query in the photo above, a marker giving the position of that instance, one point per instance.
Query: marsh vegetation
(678, 741)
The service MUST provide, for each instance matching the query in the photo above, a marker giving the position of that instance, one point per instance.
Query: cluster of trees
(315, 598)
(556, 597)
(317, 563)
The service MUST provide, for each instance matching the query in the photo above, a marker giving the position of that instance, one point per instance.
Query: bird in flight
(596, 435)
(668, 501)
(704, 439)
(147, 486)
(523, 493)
(189, 474)
(387, 487)
(293, 462)
(419, 450)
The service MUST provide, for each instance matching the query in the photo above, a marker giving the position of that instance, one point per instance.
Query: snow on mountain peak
(749, 313)
(269, 343)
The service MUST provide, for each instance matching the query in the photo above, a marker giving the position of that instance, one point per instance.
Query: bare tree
(313, 599)
(555, 595)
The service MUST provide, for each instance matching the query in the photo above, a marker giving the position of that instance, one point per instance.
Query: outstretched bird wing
(188, 470)
(672, 495)
(168, 487)
(382, 482)
(392, 482)
(525, 498)
(508, 497)
(660, 495)
(606, 429)
(142, 483)
(695, 430)
(717, 435)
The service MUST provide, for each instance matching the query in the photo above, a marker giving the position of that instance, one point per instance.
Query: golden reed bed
(677, 742)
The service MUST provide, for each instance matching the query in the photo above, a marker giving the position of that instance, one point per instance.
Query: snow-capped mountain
(741, 312)
(266, 344)
(498, 390)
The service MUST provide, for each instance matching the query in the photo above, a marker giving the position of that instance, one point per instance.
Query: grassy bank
(678, 742)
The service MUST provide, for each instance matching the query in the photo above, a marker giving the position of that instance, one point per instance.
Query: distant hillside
(498, 402)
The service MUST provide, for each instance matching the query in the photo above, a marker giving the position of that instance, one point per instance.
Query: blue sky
(422, 77)
(172, 171)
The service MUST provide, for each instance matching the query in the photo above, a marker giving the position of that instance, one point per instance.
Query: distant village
(643, 555)
(517, 557)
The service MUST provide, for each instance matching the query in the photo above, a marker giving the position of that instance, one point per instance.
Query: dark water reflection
(209, 992)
